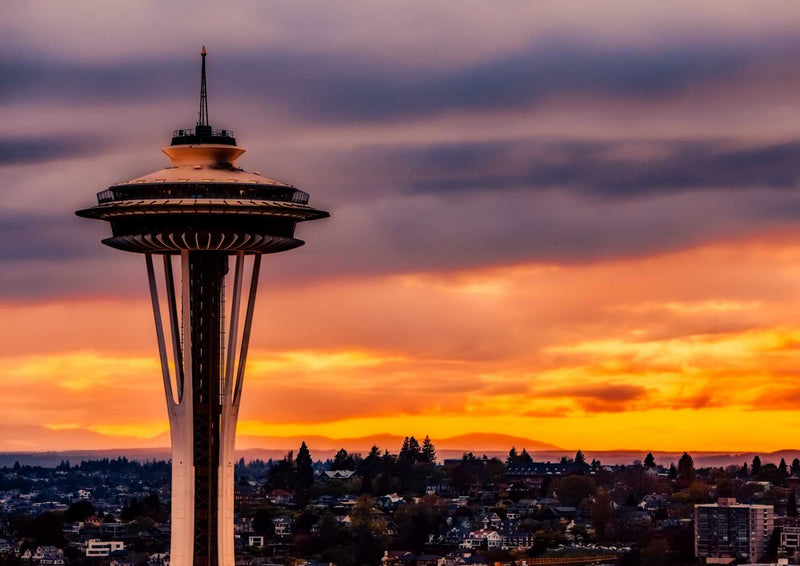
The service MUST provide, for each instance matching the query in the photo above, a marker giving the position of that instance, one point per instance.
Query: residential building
(256, 541)
(790, 539)
(538, 475)
(103, 548)
(48, 556)
(517, 539)
(483, 538)
(283, 525)
(727, 529)
(338, 474)
(280, 497)
(112, 529)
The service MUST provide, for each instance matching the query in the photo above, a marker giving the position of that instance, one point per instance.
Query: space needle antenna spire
(203, 116)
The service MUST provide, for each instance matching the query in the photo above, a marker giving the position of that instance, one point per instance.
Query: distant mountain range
(18, 439)
(265, 447)
(475, 442)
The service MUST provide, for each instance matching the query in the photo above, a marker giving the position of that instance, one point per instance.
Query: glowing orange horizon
(692, 350)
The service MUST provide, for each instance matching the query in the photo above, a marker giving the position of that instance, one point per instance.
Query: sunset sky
(573, 222)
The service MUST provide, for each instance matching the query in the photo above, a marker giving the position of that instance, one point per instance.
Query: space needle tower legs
(204, 409)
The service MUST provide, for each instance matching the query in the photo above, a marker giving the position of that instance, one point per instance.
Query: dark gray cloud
(133, 79)
(20, 150)
(601, 168)
(54, 237)
(619, 169)
(516, 81)
(330, 87)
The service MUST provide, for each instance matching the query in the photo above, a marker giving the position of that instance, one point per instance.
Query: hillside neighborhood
(411, 509)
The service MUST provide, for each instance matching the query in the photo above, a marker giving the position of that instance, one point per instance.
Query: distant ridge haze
(265, 447)
(80, 440)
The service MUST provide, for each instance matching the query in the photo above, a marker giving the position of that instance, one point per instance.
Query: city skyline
(549, 224)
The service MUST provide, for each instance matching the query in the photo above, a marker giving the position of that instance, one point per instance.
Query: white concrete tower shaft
(179, 389)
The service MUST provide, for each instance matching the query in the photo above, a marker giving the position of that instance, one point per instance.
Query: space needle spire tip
(203, 116)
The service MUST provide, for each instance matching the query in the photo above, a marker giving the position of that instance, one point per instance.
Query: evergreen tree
(795, 469)
(343, 461)
(512, 455)
(686, 468)
(783, 468)
(755, 468)
(410, 452)
(368, 469)
(791, 505)
(281, 473)
(673, 471)
(414, 449)
(405, 451)
(524, 457)
(428, 453)
(744, 471)
(370, 465)
(580, 459)
(649, 460)
(304, 475)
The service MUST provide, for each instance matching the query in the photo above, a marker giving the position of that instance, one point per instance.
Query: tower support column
(206, 297)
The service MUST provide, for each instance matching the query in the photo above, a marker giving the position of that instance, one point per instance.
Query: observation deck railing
(206, 190)
(191, 132)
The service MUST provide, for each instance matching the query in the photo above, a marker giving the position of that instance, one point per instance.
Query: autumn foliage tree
(602, 510)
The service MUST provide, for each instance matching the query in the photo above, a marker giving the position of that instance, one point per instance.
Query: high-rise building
(727, 529)
(216, 220)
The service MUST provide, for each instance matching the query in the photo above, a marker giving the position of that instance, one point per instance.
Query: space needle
(215, 220)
